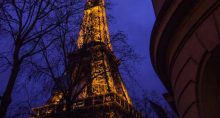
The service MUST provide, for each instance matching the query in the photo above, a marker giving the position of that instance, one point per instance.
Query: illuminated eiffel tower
(104, 95)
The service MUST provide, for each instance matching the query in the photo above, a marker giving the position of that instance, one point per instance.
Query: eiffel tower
(103, 92)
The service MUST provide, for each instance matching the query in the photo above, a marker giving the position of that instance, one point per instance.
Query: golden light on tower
(104, 94)
(94, 28)
(94, 25)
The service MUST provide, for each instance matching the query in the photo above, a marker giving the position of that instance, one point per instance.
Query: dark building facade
(185, 52)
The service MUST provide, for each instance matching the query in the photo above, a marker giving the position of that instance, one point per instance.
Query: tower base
(103, 106)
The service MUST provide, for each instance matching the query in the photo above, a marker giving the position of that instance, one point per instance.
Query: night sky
(136, 19)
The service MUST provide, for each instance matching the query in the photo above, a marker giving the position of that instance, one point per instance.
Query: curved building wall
(185, 41)
(157, 4)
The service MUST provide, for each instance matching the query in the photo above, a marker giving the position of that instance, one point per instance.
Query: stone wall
(182, 41)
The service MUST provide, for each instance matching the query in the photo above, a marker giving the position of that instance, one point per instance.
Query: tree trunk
(6, 98)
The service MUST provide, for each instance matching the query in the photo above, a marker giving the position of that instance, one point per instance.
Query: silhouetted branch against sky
(26, 25)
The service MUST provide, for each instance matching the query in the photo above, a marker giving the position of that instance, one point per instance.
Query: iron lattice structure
(103, 94)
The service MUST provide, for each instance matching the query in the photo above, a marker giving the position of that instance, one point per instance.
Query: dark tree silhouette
(28, 24)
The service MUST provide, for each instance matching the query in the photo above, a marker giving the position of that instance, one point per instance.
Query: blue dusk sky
(136, 18)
